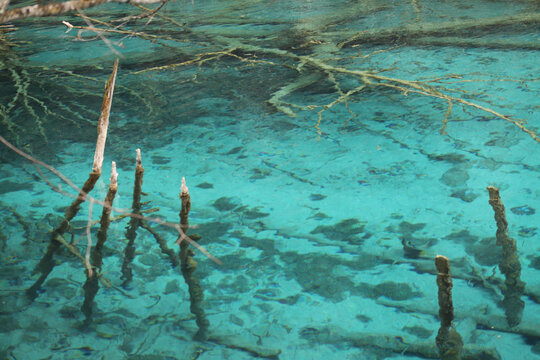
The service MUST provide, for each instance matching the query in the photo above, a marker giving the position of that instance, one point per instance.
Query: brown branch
(57, 8)
(3, 5)
(149, 13)
(448, 339)
(47, 264)
(134, 222)
(103, 123)
(114, 30)
(188, 266)
(91, 286)
(181, 235)
(510, 265)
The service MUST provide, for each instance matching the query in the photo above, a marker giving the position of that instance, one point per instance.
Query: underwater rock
(205, 185)
(171, 287)
(236, 320)
(523, 210)
(527, 232)
(362, 183)
(345, 230)
(535, 263)
(150, 357)
(333, 288)
(267, 246)
(13, 303)
(149, 259)
(536, 348)
(451, 158)
(160, 160)
(70, 312)
(363, 318)
(419, 331)
(462, 237)
(317, 197)
(503, 141)
(213, 230)
(9, 324)
(465, 195)
(282, 125)
(483, 250)
(406, 228)
(455, 177)
(8, 186)
(235, 150)
(251, 213)
(259, 173)
(319, 216)
(109, 331)
(394, 291)
(488, 164)
(225, 204)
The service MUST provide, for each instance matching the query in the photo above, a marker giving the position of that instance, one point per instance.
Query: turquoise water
(326, 227)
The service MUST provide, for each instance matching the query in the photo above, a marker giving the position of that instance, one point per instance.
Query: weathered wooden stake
(134, 222)
(188, 266)
(448, 339)
(510, 265)
(91, 286)
(46, 265)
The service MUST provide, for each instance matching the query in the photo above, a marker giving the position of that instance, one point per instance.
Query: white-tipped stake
(139, 158)
(114, 174)
(184, 189)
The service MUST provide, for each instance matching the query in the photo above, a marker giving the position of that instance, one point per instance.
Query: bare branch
(52, 9)
(103, 123)
(3, 5)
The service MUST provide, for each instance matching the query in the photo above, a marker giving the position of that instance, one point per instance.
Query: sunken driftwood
(396, 344)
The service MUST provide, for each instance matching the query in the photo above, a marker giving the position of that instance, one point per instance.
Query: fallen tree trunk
(407, 33)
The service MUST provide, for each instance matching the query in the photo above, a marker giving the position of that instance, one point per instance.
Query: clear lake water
(329, 160)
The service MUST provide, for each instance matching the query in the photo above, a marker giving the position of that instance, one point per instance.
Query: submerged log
(412, 32)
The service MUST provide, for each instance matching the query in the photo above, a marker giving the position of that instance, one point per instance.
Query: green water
(328, 159)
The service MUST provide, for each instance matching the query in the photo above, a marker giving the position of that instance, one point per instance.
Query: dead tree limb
(57, 8)
(91, 286)
(510, 265)
(46, 265)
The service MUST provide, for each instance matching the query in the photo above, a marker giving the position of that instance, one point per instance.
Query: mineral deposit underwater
(331, 151)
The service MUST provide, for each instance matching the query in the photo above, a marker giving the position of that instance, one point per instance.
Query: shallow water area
(331, 149)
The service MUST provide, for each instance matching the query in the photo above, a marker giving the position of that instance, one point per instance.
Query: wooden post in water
(91, 286)
(134, 222)
(448, 339)
(510, 265)
(46, 265)
(188, 266)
